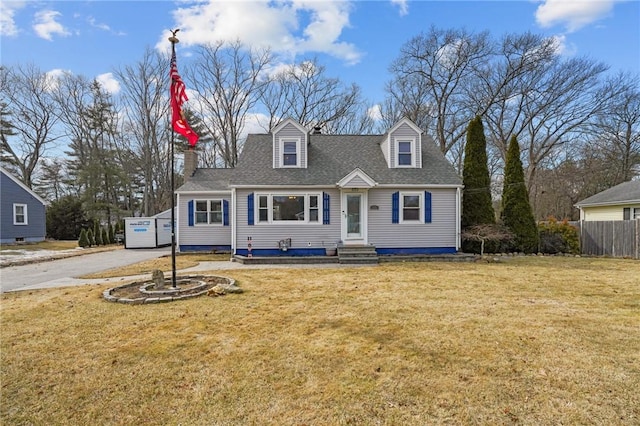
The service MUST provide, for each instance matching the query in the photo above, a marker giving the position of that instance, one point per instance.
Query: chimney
(190, 163)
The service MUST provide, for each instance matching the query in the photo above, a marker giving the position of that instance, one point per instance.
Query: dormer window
(290, 152)
(405, 152)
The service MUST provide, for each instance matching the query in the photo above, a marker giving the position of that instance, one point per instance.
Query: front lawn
(531, 340)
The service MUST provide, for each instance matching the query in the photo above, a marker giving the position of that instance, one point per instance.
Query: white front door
(354, 220)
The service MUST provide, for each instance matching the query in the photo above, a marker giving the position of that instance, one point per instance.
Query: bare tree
(146, 116)
(535, 95)
(616, 128)
(431, 78)
(27, 93)
(227, 78)
(303, 92)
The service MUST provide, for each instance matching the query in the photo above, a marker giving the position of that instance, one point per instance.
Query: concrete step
(357, 255)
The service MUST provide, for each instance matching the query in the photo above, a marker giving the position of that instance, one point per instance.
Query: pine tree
(517, 214)
(477, 208)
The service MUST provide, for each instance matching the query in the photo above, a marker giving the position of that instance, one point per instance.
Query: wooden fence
(619, 238)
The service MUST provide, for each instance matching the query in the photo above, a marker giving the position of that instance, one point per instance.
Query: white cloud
(287, 27)
(375, 112)
(8, 10)
(53, 78)
(46, 25)
(573, 14)
(108, 83)
(92, 21)
(403, 6)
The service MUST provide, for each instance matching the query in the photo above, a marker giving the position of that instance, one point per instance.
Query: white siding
(209, 235)
(290, 131)
(441, 232)
(303, 235)
(405, 131)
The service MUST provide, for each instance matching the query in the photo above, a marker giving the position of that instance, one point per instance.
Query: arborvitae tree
(517, 214)
(91, 238)
(105, 237)
(98, 236)
(112, 234)
(83, 241)
(476, 198)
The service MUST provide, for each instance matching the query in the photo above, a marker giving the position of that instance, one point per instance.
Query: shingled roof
(330, 158)
(208, 179)
(625, 193)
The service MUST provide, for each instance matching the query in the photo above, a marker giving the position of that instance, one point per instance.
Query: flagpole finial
(173, 39)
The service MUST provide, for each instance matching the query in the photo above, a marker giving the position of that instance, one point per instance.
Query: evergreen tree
(66, 218)
(476, 199)
(90, 238)
(83, 241)
(98, 236)
(517, 214)
(105, 237)
(112, 234)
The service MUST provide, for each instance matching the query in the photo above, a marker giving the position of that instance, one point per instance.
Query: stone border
(170, 294)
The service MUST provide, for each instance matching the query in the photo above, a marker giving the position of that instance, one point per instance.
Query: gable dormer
(290, 145)
(402, 145)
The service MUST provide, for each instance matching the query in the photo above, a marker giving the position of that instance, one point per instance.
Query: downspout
(233, 220)
(458, 220)
(177, 219)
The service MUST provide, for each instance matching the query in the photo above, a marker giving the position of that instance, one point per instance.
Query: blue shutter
(325, 209)
(250, 207)
(190, 212)
(225, 212)
(427, 207)
(395, 207)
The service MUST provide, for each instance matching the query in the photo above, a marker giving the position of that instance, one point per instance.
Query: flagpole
(173, 39)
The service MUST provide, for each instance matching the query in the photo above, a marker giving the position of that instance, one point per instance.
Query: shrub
(91, 238)
(83, 241)
(105, 237)
(558, 237)
(98, 236)
(489, 238)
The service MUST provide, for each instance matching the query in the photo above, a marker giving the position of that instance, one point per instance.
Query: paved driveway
(61, 272)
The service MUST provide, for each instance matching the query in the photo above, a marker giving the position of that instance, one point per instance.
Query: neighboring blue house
(299, 193)
(22, 211)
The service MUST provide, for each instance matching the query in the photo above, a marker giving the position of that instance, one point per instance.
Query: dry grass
(183, 261)
(530, 341)
(44, 245)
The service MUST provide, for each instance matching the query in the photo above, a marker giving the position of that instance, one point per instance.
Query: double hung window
(405, 157)
(20, 214)
(290, 154)
(208, 212)
(411, 207)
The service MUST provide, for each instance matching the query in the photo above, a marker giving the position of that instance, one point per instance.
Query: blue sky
(355, 40)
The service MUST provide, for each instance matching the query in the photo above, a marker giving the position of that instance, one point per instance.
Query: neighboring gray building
(22, 211)
(298, 193)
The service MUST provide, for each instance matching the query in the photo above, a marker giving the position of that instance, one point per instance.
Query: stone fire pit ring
(187, 287)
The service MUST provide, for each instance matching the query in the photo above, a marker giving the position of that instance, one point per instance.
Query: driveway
(63, 272)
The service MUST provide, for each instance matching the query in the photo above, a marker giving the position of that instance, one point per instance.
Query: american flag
(178, 97)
